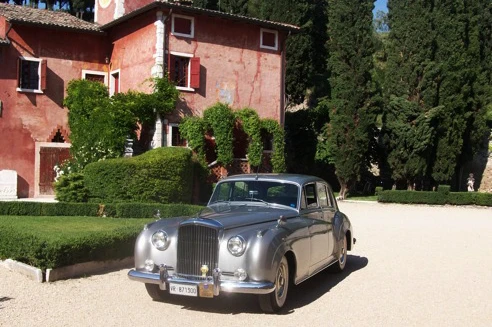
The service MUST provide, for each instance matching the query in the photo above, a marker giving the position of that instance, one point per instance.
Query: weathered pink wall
(133, 49)
(106, 15)
(3, 27)
(234, 68)
(29, 117)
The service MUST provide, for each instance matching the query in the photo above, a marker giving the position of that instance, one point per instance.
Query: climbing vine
(220, 119)
(193, 129)
(278, 157)
(251, 125)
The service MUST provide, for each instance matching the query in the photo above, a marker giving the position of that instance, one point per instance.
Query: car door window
(310, 196)
(322, 195)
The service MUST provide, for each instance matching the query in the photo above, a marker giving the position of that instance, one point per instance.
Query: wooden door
(49, 157)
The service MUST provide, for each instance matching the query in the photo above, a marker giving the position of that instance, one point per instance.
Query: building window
(31, 75)
(114, 80)
(268, 39)
(184, 71)
(176, 139)
(95, 76)
(183, 26)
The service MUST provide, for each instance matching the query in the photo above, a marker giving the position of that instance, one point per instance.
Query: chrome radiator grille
(197, 246)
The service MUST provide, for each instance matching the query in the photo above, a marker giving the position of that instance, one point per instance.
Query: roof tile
(48, 18)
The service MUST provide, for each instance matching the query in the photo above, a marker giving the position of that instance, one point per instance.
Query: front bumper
(162, 278)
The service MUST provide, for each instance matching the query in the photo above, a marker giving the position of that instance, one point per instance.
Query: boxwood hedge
(442, 196)
(163, 175)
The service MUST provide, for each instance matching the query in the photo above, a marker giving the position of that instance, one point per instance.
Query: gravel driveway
(412, 266)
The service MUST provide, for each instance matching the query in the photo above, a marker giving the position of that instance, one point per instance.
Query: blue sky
(380, 5)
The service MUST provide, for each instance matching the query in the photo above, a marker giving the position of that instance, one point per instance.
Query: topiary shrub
(71, 188)
(160, 175)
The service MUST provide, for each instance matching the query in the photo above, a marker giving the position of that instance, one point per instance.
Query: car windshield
(266, 192)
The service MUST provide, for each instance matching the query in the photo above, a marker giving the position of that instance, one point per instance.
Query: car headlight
(236, 245)
(160, 240)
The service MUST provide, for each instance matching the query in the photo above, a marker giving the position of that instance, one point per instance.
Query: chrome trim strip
(225, 286)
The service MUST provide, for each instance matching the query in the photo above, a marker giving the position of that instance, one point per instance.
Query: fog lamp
(241, 274)
(149, 265)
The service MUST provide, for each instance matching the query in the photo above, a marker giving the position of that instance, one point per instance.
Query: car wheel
(156, 293)
(275, 301)
(339, 265)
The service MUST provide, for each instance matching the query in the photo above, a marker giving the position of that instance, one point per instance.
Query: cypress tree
(464, 88)
(411, 96)
(353, 96)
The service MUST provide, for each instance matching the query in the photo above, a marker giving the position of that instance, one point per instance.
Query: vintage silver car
(258, 235)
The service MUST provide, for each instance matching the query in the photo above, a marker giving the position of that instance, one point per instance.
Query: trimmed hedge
(47, 247)
(115, 210)
(161, 175)
(146, 210)
(442, 196)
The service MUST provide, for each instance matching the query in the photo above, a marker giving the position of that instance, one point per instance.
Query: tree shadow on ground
(4, 299)
(299, 296)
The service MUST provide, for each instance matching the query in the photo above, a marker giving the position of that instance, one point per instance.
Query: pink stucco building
(212, 57)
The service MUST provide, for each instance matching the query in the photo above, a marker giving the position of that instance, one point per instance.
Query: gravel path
(412, 266)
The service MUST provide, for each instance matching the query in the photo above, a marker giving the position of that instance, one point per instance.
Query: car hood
(232, 216)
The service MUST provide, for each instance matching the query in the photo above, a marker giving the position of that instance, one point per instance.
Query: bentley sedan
(259, 234)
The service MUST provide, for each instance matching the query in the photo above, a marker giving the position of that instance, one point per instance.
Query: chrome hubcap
(343, 252)
(280, 284)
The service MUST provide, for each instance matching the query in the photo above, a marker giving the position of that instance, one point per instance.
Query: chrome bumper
(162, 278)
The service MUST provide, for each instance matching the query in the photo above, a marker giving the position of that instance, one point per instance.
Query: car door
(318, 227)
(326, 203)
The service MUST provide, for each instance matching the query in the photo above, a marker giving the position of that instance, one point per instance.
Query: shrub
(440, 197)
(71, 188)
(160, 175)
(420, 197)
(443, 189)
(18, 208)
(146, 210)
(378, 190)
(69, 209)
(46, 245)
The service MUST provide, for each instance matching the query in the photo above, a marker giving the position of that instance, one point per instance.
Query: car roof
(293, 178)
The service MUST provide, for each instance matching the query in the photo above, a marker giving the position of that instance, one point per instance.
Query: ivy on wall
(220, 120)
(250, 122)
(278, 158)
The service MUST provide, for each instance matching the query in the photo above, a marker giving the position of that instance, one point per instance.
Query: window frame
(170, 136)
(304, 201)
(112, 82)
(86, 72)
(191, 18)
(262, 30)
(41, 75)
(189, 76)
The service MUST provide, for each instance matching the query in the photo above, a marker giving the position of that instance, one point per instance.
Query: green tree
(439, 60)
(408, 134)
(100, 125)
(238, 7)
(464, 85)
(354, 102)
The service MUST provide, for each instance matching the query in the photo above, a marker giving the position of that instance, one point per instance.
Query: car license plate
(186, 290)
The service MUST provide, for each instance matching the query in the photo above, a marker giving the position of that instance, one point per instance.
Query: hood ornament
(204, 270)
